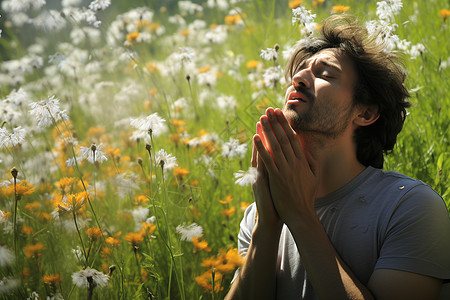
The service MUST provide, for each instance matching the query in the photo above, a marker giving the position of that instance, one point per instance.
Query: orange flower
(228, 199)
(134, 238)
(112, 241)
(22, 188)
(180, 172)
(340, 8)
(151, 67)
(199, 246)
(147, 228)
(233, 19)
(73, 202)
(32, 206)
(27, 230)
(294, 3)
(252, 64)
(244, 205)
(204, 69)
(94, 233)
(106, 252)
(228, 212)
(445, 13)
(131, 37)
(51, 279)
(66, 184)
(140, 199)
(206, 279)
(34, 250)
(184, 32)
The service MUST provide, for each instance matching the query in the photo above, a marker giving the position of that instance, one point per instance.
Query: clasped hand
(285, 172)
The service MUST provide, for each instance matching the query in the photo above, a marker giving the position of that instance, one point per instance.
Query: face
(320, 101)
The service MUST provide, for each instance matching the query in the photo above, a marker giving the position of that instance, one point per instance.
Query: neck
(336, 159)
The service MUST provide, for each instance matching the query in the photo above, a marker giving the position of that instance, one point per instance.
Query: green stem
(15, 218)
(81, 239)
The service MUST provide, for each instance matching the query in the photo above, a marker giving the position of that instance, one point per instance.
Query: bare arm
(257, 277)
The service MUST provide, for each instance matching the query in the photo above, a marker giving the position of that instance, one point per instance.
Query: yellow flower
(340, 8)
(151, 67)
(32, 206)
(184, 32)
(252, 64)
(294, 3)
(244, 205)
(131, 37)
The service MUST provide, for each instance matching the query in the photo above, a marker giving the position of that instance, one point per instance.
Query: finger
(264, 155)
(254, 154)
(260, 131)
(274, 147)
(290, 133)
(281, 135)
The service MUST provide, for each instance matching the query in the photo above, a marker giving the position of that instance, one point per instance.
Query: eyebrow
(321, 61)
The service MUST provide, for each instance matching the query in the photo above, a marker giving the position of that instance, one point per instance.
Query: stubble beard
(321, 121)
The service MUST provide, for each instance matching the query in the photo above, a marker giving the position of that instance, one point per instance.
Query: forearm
(328, 274)
(257, 277)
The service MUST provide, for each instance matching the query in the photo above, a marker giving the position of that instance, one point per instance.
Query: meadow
(125, 137)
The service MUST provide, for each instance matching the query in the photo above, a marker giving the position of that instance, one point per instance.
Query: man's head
(377, 83)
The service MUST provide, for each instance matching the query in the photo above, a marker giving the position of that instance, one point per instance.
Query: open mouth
(297, 96)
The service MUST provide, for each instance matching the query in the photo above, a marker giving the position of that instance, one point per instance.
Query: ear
(367, 115)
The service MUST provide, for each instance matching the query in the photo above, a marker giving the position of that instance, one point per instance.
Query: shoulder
(398, 188)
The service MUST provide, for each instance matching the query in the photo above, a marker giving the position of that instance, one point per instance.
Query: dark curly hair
(380, 82)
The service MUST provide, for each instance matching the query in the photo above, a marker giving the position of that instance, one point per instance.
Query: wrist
(268, 232)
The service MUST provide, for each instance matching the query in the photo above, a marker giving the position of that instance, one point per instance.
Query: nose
(303, 78)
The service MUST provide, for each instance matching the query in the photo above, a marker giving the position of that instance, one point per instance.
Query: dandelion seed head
(80, 278)
(190, 231)
(245, 178)
(6, 256)
(168, 161)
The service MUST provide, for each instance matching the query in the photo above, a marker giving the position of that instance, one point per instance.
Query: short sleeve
(245, 233)
(417, 238)
(246, 229)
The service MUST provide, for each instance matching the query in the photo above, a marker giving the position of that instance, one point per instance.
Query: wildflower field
(126, 127)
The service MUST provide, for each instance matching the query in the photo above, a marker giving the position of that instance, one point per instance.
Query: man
(327, 222)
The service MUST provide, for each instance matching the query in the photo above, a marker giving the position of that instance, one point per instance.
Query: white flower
(165, 160)
(80, 278)
(34, 296)
(269, 54)
(416, 50)
(189, 7)
(244, 178)
(97, 5)
(140, 214)
(233, 149)
(6, 257)
(93, 154)
(8, 284)
(271, 76)
(46, 111)
(302, 15)
(226, 102)
(153, 123)
(189, 232)
(8, 140)
(388, 9)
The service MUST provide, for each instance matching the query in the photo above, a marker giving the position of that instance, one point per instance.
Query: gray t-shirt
(379, 220)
